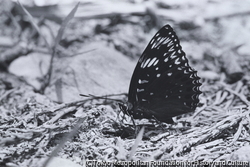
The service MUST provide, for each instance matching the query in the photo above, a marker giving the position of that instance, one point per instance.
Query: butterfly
(163, 85)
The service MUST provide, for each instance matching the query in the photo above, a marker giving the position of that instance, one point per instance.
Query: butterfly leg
(158, 122)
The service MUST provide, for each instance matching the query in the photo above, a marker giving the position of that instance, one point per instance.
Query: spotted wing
(163, 84)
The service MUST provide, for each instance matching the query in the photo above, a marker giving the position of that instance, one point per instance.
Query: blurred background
(52, 51)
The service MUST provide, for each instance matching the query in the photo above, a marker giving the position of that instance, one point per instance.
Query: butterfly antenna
(105, 97)
(110, 95)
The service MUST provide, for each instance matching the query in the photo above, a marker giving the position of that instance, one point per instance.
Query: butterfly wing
(163, 84)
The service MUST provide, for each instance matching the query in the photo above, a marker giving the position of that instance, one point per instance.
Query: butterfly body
(163, 84)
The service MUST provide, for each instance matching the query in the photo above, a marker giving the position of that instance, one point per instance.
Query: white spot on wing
(172, 56)
(171, 48)
(146, 63)
(153, 45)
(170, 43)
(142, 81)
(158, 75)
(153, 40)
(177, 61)
(139, 90)
(151, 62)
(155, 62)
(136, 97)
(166, 41)
(162, 40)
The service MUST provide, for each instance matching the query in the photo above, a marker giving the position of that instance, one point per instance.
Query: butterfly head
(125, 107)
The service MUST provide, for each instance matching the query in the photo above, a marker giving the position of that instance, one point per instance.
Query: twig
(54, 48)
(237, 134)
(209, 133)
(137, 141)
(241, 96)
(199, 110)
(90, 95)
(61, 114)
(7, 93)
(31, 19)
(105, 97)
